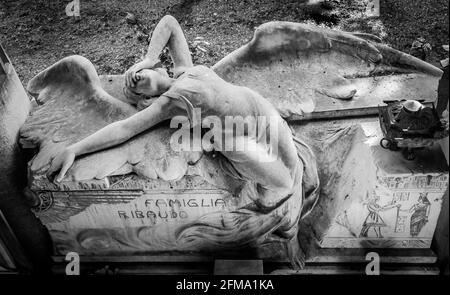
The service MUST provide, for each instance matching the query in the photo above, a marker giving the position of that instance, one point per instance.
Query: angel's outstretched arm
(167, 32)
(114, 134)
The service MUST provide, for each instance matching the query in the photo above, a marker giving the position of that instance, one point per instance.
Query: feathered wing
(72, 104)
(308, 71)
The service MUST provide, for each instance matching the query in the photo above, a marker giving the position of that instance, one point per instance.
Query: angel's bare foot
(296, 254)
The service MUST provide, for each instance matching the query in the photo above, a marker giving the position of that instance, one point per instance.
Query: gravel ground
(38, 33)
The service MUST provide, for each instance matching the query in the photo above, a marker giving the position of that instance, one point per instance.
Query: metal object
(408, 125)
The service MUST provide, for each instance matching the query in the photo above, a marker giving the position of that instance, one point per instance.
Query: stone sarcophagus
(143, 198)
(370, 198)
(128, 214)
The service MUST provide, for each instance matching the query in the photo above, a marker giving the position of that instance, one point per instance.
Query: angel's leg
(168, 32)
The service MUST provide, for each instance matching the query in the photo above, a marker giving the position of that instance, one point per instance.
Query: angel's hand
(63, 161)
(131, 76)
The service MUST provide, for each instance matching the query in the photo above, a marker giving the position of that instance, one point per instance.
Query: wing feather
(71, 105)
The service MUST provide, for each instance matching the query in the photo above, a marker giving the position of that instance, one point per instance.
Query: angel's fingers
(127, 74)
(134, 77)
(51, 175)
(63, 171)
(54, 167)
(137, 77)
(128, 79)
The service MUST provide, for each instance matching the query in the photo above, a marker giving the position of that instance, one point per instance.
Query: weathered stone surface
(113, 219)
(100, 208)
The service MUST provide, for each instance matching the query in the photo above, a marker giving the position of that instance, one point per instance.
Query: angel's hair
(141, 101)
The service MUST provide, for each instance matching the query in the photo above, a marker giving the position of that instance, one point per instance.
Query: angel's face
(152, 82)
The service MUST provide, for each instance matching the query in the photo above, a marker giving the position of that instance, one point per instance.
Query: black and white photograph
(224, 138)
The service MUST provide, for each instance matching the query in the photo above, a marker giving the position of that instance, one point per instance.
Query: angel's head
(150, 83)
